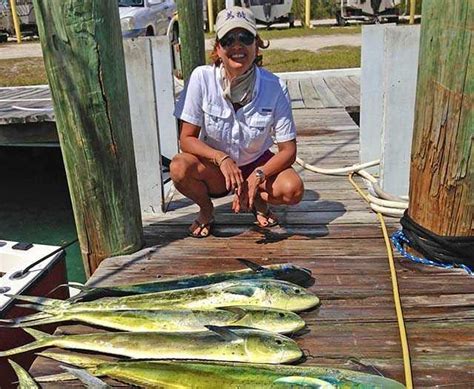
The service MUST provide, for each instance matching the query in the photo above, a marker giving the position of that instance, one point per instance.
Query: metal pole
(412, 11)
(210, 15)
(16, 20)
(307, 14)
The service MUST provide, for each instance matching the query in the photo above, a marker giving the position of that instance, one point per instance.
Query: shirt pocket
(215, 122)
(259, 129)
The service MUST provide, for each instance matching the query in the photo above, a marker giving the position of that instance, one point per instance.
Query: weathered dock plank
(333, 233)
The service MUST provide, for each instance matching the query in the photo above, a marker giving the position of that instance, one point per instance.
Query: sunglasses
(244, 37)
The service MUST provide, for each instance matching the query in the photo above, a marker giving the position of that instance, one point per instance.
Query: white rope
(380, 201)
(339, 171)
(46, 109)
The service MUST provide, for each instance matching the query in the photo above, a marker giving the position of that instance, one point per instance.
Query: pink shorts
(260, 161)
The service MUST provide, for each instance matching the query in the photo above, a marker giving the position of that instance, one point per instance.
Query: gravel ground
(312, 43)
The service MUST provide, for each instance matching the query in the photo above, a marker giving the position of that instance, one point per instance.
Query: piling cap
(235, 17)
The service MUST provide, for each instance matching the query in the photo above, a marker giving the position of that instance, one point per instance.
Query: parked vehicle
(367, 10)
(26, 14)
(145, 17)
(269, 12)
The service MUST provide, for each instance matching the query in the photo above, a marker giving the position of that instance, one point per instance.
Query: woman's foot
(264, 217)
(203, 225)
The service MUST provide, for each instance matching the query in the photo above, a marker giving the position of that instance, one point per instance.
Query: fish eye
(278, 341)
(281, 314)
(297, 291)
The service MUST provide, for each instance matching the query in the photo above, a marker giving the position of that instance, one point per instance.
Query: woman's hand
(245, 200)
(232, 174)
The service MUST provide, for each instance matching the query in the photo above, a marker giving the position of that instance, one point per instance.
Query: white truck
(145, 17)
(26, 16)
(367, 10)
(137, 17)
(268, 12)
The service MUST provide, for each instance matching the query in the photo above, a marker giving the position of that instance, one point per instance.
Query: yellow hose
(396, 293)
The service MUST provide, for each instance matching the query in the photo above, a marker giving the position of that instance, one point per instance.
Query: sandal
(209, 226)
(269, 216)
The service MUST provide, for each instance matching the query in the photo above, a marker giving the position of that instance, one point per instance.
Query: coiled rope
(447, 252)
(378, 200)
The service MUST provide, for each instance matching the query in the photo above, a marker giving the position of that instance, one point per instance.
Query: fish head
(293, 297)
(268, 347)
(275, 320)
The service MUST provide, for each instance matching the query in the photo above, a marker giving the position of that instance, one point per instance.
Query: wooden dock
(27, 116)
(333, 233)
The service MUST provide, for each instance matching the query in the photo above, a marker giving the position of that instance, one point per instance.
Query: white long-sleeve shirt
(246, 134)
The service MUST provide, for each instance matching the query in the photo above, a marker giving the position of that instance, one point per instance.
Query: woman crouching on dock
(231, 113)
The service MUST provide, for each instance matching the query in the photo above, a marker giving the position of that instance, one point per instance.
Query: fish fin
(42, 340)
(252, 265)
(38, 335)
(35, 299)
(47, 319)
(43, 311)
(303, 382)
(86, 378)
(242, 290)
(24, 379)
(55, 378)
(240, 312)
(80, 360)
(224, 333)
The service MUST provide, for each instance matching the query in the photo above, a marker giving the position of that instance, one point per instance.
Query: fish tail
(42, 340)
(88, 379)
(36, 300)
(39, 320)
(22, 319)
(55, 378)
(24, 378)
(83, 360)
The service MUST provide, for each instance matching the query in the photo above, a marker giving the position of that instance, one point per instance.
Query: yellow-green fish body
(285, 272)
(239, 376)
(263, 293)
(174, 320)
(219, 344)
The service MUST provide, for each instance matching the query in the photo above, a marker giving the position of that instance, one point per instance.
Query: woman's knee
(295, 191)
(291, 190)
(180, 167)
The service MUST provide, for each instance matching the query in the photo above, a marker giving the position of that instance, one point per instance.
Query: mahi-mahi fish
(217, 344)
(262, 293)
(285, 272)
(173, 320)
(199, 375)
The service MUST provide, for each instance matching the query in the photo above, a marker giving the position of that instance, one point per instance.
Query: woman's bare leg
(284, 188)
(197, 180)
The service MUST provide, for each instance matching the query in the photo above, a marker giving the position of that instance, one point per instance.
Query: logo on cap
(238, 14)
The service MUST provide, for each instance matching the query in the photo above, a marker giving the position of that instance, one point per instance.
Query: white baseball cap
(235, 17)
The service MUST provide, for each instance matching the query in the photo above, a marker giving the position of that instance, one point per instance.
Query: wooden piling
(83, 55)
(441, 183)
(191, 32)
